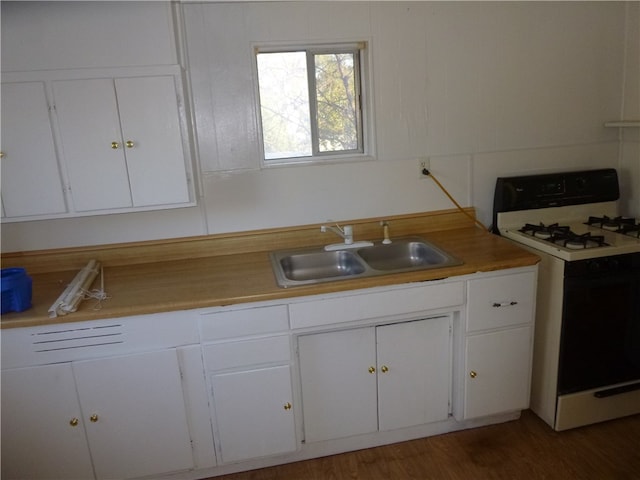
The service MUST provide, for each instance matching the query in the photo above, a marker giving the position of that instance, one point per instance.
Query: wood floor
(523, 449)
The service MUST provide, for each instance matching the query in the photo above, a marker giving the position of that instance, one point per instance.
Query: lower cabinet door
(254, 413)
(414, 372)
(43, 433)
(338, 377)
(135, 414)
(498, 370)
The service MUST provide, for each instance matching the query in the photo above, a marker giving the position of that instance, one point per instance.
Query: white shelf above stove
(623, 123)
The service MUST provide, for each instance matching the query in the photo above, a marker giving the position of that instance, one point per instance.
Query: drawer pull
(504, 304)
(287, 406)
(74, 422)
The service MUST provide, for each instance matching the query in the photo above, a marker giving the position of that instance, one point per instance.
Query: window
(310, 103)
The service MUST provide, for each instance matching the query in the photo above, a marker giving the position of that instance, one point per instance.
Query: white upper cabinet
(77, 79)
(122, 142)
(31, 181)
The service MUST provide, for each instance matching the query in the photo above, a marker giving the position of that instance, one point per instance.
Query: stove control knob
(581, 183)
(595, 266)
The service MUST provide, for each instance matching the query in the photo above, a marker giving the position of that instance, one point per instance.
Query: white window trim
(366, 102)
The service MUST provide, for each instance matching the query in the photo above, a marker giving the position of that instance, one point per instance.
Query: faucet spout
(345, 232)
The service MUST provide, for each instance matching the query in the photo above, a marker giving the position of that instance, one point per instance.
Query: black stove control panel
(593, 267)
(555, 190)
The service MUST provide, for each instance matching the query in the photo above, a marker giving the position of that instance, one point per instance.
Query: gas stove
(555, 231)
(586, 361)
(572, 216)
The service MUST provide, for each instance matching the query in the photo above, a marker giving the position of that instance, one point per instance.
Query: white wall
(630, 137)
(485, 89)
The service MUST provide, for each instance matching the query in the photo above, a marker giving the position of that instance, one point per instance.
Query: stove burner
(543, 231)
(578, 242)
(615, 224)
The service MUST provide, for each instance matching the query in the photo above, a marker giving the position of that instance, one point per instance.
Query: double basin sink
(315, 265)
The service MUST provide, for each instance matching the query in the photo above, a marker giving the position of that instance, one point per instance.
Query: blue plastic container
(16, 290)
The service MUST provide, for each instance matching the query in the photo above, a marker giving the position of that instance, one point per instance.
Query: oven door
(600, 340)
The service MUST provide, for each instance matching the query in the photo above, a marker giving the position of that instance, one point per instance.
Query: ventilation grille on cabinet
(81, 337)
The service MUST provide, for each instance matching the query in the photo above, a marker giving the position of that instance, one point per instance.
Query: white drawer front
(502, 301)
(222, 356)
(375, 305)
(243, 322)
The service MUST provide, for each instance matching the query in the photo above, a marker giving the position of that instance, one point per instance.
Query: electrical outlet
(424, 164)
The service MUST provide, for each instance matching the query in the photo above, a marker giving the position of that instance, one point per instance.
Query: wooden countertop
(208, 281)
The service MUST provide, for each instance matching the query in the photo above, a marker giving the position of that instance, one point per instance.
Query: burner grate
(574, 241)
(563, 236)
(615, 224)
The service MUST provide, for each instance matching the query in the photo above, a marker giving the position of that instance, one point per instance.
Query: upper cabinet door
(31, 182)
(152, 139)
(92, 143)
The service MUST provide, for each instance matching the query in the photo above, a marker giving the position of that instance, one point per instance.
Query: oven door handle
(610, 392)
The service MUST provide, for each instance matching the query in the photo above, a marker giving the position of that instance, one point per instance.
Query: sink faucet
(345, 232)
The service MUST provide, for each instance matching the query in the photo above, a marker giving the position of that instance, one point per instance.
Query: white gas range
(574, 232)
(586, 365)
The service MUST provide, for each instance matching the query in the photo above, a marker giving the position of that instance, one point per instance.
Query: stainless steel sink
(405, 254)
(320, 265)
(315, 265)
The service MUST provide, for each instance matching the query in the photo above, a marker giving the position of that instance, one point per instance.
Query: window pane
(284, 104)
(336, 102)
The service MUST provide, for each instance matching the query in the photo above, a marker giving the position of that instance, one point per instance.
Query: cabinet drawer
(375, 305)
(247, 321)
(259, 351)
(501, 301)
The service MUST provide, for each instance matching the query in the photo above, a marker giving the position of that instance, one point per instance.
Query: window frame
(363, 92)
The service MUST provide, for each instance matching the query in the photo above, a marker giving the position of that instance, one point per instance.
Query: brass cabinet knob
(473, 374)
(74, 422)
(372, 369)
(94, 418)
(1, 154)
(384, 369)
(287, 406)
(115, 145)
(130, 144)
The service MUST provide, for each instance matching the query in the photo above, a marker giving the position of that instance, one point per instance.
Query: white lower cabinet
(382, 377)
(223, 391)
(42, 425)
(119, 417)
(254, 413)
(247, 358)
(498, 344)
(499, 372)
